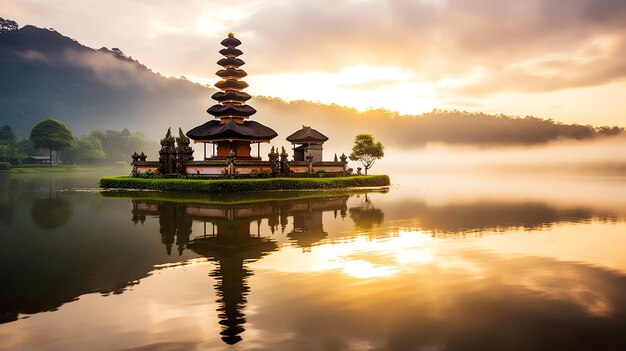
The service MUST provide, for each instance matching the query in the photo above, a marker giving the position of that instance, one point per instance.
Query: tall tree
(52, 135)
(366, 150)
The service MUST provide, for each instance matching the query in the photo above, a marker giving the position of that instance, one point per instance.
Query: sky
(552, 59)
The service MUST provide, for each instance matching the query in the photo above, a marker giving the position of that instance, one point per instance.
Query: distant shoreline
(57, 169)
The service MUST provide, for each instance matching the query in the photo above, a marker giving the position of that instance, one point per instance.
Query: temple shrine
(230, 136)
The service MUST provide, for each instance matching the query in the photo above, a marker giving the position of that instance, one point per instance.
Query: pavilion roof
(307, 135)
(216, 130)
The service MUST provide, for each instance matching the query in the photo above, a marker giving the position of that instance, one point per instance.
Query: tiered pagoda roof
(231, 112)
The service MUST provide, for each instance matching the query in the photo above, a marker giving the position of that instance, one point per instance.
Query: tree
(8, 142)
(366, 150)
(7, 137)
(284, 161)
(87, 150)
(52, 135)
(7, 25)
(118, 146)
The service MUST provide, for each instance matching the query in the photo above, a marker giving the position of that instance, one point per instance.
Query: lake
(439, 261)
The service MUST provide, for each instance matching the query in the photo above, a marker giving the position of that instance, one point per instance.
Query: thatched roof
(249, 130)
(231, 84)
(231, 41)
(231, 61)
(231, 51)
(231, 110)
(231, 96)
(307, 135)
(231, 72)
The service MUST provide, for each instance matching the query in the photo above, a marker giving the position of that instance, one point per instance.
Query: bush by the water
(5, 166)
(237, 185)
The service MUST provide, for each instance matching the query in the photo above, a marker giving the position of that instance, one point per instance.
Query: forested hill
(44, 74)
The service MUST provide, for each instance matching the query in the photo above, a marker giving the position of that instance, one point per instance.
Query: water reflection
(228, 241)
(457, 300)
(492, 216)
(321, 271)
(51, 213)
(366, 216)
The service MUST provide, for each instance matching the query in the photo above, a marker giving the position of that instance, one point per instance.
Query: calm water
(439, 262)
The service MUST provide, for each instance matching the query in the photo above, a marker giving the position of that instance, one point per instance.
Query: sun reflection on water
(359, 257)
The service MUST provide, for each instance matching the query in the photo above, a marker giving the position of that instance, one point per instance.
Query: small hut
(307, 141)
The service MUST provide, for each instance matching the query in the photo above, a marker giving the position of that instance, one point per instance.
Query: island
(231, 164)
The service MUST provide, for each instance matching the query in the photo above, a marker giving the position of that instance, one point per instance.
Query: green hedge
(237, 185)
(5, 166)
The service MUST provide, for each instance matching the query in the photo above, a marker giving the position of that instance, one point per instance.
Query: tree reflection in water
(366, 216)
(51, 213)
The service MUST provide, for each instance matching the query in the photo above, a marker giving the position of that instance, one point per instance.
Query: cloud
(464, 50)
(439, 40)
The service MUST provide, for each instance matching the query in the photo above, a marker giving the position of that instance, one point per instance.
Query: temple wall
(328, 169)
(221, 167)
(219, 170)
(146, 169)
(316, 152)
(205, 170)
(299, 169)
(249, 169)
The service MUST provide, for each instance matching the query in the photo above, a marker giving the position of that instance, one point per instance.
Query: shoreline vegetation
(242, 185)
(46, 168)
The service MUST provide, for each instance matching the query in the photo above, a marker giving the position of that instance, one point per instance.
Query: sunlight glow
(364, 269)
(360, 257)
(361, 87)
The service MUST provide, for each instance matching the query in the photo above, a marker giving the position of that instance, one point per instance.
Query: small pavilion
(231, 133)
(307, 141)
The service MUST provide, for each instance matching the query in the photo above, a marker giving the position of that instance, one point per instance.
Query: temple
(230, 135)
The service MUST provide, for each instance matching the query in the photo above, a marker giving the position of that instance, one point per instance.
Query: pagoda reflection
(232, 236)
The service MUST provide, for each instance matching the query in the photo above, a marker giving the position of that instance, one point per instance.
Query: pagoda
(231, 133)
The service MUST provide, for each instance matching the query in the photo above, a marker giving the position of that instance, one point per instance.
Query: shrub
(5, 166)
(320, 172)
(240, 185)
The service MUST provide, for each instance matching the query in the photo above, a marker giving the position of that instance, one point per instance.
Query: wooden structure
(307, 141)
